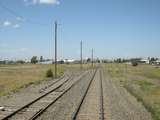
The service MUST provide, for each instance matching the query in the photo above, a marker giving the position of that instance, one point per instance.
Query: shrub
(134, 63)
(49, 73)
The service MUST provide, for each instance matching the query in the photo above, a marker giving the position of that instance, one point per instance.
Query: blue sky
(114, 28)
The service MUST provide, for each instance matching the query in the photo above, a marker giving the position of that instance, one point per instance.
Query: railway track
(91, 104)
(101, 116)
(36, 107)
(58, 80)
(50, 85)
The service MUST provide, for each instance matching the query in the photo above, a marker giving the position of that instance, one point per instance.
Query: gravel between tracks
(64, 107)
(90, 107)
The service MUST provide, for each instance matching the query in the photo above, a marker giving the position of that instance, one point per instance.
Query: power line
(9, 10)
(20, 16)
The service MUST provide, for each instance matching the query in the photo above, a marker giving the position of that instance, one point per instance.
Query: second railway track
(36, 107)
(91, 104)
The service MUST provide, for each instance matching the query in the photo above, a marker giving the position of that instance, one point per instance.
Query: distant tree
(89, 60)
(119, 60)
(34, 60)
(124, 60)
(98, 61)
(105, 61)
(61, 62)
(20, 62)
(41, 59)
(2, 62)
(153, 59)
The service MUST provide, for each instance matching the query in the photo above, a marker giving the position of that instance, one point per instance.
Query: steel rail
(101, 117)
(32, 102)
(35, 116)
(74, 116)
(42, 89)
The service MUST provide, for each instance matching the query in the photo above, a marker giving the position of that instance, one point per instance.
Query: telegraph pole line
(92, 57)
(55, 49)
(81, 54)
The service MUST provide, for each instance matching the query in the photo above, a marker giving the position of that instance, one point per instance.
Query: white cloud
(19, 19)
(49, 2)
(7, 23)
(16, 26)
(53, 2)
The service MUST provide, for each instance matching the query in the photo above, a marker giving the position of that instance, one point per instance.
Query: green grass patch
(145, 85)
(153, 73)
(141, 81)
(149, 104)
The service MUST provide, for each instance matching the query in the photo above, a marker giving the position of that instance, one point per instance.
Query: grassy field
(142, 81)
(14, 77)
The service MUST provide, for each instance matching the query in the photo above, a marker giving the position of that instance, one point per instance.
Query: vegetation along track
(93, 97)
(36, 107)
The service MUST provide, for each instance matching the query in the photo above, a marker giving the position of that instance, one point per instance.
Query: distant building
(157, 62)
(27, 60)
(7, 62)
(68, 61)
(48, 61)
(2, 62)
(145, 61)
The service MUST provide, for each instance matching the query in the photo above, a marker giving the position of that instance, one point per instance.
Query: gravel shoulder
(121, 105)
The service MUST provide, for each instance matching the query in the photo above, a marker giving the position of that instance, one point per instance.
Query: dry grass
(14, 77)
(142, 81)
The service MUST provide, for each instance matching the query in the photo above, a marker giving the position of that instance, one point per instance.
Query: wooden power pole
(92, 57)
(81, 54)
(55, 49)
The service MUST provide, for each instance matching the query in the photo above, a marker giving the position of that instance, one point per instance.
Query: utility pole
(92, 57)
(55, 49)
(81, 55)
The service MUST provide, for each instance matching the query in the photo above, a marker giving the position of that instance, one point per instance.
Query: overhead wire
(22, 19)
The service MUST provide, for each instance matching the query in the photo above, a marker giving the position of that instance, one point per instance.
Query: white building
(68, 61)
(46, 62)
(157, 62)
(146, 61)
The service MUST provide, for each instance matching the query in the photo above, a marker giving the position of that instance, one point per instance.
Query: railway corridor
(91, 106)
(93, 95)
(110, 101)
